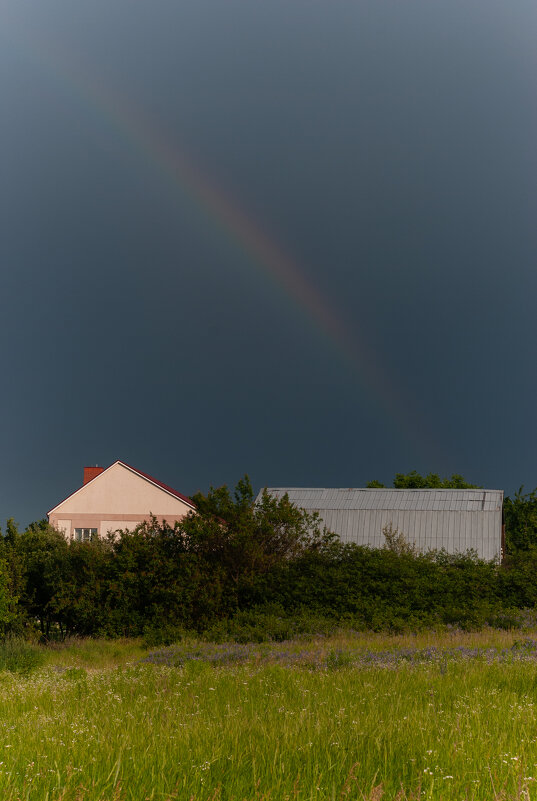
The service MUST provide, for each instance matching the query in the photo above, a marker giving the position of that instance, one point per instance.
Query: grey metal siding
(456, 520)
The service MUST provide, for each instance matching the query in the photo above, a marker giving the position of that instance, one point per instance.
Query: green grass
(20, 656)
(95, 725)
(94, 654)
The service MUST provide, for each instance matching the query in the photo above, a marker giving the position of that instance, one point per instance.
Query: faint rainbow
(263, 251)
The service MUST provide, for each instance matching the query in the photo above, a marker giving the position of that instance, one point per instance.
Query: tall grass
(19, 656)
(93, 653)
(454, 728)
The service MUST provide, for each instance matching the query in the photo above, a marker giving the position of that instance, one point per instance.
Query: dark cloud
(386, 148)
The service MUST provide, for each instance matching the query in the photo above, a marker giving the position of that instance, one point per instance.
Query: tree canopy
(414, 480)
(249, 537)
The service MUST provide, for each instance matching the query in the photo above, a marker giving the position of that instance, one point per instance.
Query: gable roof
(145, 476)
(418, 500)
(160, 484)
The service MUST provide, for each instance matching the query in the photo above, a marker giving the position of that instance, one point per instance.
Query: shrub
(163, 634)
(20, 656)
(270, 623)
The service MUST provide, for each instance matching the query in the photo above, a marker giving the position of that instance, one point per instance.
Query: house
(433, 519)
(118, 497)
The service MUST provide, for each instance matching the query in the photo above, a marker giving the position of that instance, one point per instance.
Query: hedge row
(239, 568)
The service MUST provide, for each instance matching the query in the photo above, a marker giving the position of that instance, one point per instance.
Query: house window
(85, 534)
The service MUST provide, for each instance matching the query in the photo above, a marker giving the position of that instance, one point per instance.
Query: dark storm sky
(385, 149)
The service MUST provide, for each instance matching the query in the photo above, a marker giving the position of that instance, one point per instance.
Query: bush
(252, 572)
(269, 623)
(164, 634)
(19, 656)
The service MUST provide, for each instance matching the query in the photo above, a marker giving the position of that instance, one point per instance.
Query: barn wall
(456, 531)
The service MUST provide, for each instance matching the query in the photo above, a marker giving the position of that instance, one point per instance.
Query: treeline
(254, 571)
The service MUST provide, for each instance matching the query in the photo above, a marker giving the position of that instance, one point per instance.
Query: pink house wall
(117, 498)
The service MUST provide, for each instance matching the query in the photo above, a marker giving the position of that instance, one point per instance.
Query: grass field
(448, 716)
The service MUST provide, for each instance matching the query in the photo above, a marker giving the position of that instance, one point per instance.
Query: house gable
(123, 490)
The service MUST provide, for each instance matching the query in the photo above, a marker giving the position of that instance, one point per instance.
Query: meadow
(352, 716)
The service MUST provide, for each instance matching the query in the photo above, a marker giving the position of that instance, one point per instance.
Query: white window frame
(84, 534)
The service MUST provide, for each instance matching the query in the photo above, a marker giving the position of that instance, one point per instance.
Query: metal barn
(454, 519)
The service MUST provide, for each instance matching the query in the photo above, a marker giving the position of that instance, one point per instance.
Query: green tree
(520, 514)
(155, 582)
(42, 555)
(79, 604)
(414, 480)
(249, 537)
(8, 602)
(242, 539)
(12, 531)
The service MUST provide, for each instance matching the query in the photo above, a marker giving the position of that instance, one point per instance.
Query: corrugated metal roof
(434, 500)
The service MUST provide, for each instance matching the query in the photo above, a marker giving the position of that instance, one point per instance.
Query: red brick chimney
(91, 472)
